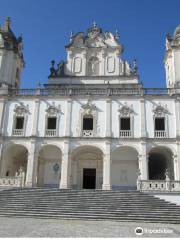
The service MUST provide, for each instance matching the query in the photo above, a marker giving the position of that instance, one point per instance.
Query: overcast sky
(46, 26)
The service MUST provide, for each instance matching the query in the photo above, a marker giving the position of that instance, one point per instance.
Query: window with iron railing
(125, 127)
(87, 130)
(18, 129)
(159, 127)
(51, 128)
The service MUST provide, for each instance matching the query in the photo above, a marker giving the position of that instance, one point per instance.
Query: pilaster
(143, 118)
(143, 162)
(36, 118)
(176, 159)
(107, 167)
(32, 161)
(177, 114)
(65, 167)
(68, 118)
(108, 118)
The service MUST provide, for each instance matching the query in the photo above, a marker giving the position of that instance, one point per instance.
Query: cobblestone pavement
(28, 227)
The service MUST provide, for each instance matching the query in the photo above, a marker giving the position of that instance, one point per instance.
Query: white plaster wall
(101, 113)
(135, 106)
(42, 116)
(176, 65)
(9, 115)
(124, 167)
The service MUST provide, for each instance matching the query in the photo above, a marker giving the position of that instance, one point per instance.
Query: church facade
(93, 125)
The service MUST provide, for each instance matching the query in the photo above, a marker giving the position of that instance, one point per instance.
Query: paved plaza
(28, 227)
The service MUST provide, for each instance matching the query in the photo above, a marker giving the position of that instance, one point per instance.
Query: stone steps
(119, 205)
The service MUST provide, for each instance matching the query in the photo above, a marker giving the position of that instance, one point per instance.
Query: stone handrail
(12, 181)
(158, 185)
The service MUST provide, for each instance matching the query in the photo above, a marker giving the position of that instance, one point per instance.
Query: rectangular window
(51, 123)
(87, 123)
(125, 124)
(160, 124)
(19, 123)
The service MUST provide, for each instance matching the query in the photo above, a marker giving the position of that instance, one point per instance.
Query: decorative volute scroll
(125, 111)
(53, 110)
(21, 110)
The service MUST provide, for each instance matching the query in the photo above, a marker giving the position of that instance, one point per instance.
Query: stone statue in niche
(93, 66)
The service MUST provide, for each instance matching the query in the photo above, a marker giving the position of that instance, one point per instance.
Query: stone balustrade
(67, 91)
(12, 181)
(160, 134)
(51, 132)
(125, 134)
(18, 132)
(158, 185)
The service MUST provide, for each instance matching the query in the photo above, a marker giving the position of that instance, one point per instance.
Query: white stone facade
(93, 125)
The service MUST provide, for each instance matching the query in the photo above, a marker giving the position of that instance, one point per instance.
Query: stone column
(65, 167)
(177, 113)
(176, 168)
(108, 118)
(32, 162)
(68, 118)
(2, 115)
(143, 162)
(36, 118)
(1, 159)
(143, 118)
(107, 167)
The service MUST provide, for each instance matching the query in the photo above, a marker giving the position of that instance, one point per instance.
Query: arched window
(93, 66)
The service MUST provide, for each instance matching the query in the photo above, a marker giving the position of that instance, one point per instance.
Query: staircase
(119, 205)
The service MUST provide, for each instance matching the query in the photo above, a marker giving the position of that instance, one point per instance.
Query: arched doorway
(49, 166)
(15, 157)
(160, 161)
(87, 168)
(124, 168)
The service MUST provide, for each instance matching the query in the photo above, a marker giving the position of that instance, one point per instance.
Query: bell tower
(11, 56)
(172, 59)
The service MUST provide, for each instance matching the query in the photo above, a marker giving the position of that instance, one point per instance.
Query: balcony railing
(125, 134)
(87, 133)
(158, 185)
(160, 134)
(51, 132)
(18, 132)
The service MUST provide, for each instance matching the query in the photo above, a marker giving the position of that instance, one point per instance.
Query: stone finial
(135, 67)
(71, 36)
(117, 35)
(52, 69)
(7, 24)
(94, 24)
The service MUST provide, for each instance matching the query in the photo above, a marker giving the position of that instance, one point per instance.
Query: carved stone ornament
(89, 107)
(21, 109)
(125, 111)
(53, 110)
(160, 110)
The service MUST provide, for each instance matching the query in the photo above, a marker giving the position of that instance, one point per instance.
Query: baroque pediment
(125, 111)
(88, 108)
(53, 110)
(21, 109)
(160, 110)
